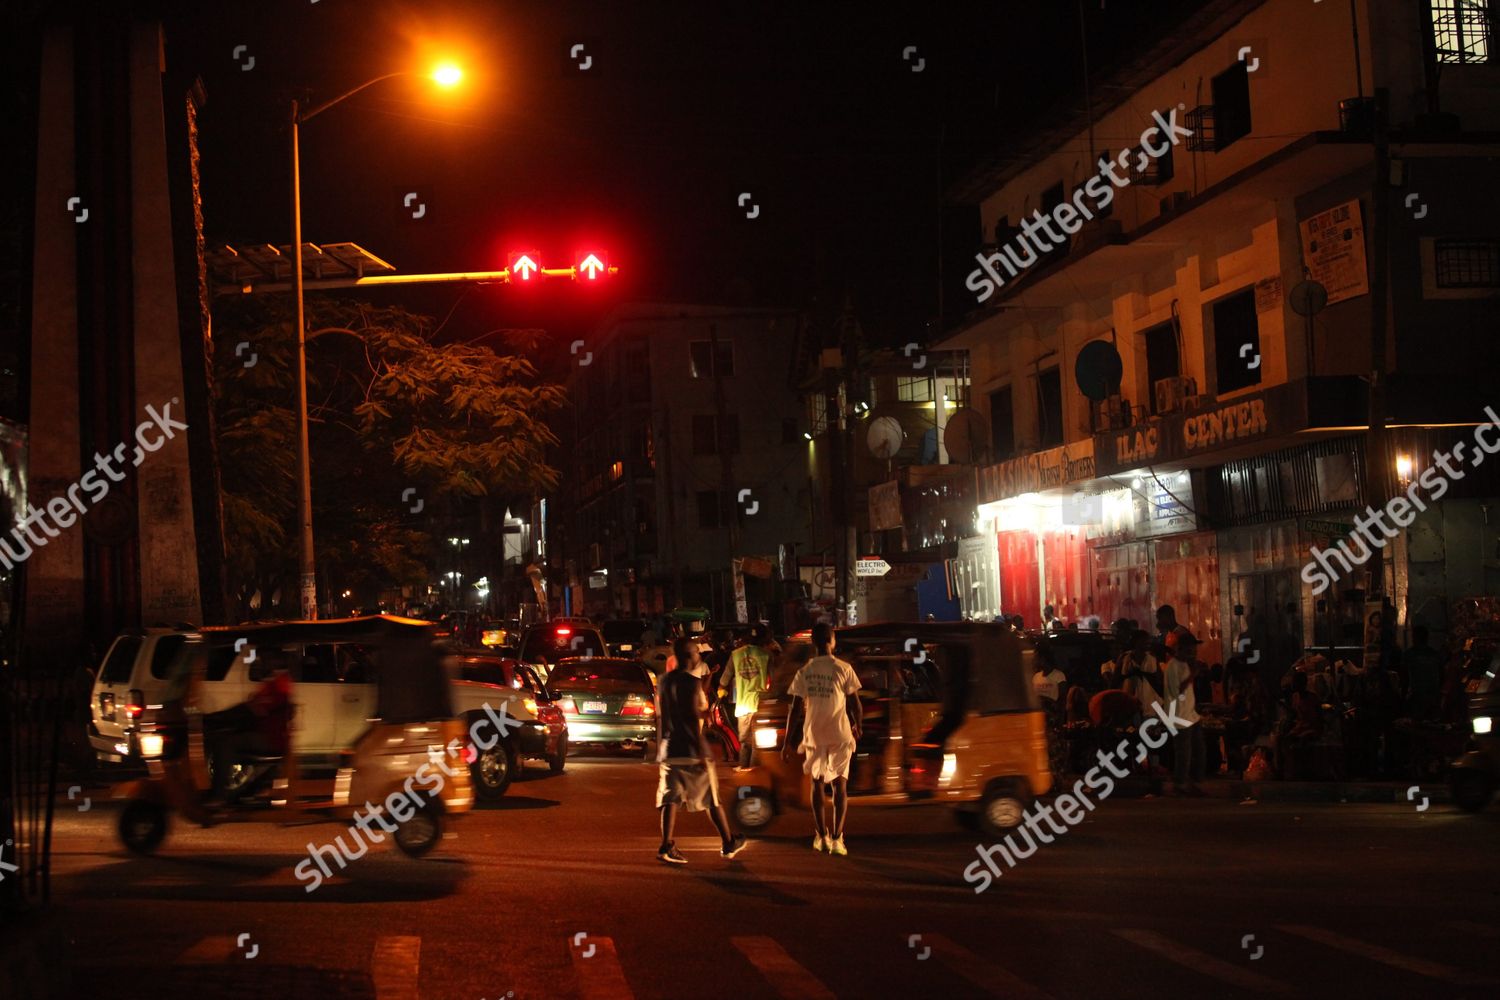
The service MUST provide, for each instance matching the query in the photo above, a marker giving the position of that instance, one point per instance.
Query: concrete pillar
(168, 552)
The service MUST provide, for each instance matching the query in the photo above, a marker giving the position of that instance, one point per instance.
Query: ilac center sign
(1181, 435)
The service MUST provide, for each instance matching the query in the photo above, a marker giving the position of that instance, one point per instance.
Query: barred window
(1461, 30)
(1467, 263)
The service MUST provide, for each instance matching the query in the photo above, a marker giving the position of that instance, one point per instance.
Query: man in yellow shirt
(750, 672)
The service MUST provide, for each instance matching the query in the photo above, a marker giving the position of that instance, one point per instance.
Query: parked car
(544, 644)
(135, 667)
(608, 701)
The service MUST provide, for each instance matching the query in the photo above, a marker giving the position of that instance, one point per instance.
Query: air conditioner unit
(1110, 414)
(1171, 393)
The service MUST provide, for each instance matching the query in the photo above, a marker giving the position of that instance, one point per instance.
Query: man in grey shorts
(687, 778)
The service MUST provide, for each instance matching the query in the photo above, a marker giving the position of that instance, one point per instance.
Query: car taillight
(636, 705)
(107, 707)
(564, 631)
(567, 706)
(136, 705)
(549, 715)
(530, 705)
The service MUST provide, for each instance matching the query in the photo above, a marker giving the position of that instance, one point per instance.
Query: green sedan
(608, 702)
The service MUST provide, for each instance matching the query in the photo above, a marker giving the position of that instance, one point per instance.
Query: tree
(397, 420)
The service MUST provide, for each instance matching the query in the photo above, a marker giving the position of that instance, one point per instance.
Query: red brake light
(564, 631)
(136, 704)
(567, 705)
(636, 705)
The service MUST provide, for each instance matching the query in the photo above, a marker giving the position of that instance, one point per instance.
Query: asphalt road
(556, 892)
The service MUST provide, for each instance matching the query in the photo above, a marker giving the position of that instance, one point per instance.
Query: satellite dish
(965, 436)
(885, 437)
(1098, 370)
(1308, 298)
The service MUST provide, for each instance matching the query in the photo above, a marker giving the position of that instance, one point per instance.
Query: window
(1161, 358)
(703, 357)
(914, 389)
(121, 663)
(161, 657)
(1236, 342)
(713, 509)
(707, 442)
(1461, 31)
(817, 413)
(1467, 263)
(1002, 423)
(1231, 105)
(1049, 408)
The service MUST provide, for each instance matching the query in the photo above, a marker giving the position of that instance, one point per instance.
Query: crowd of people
(1320, 717)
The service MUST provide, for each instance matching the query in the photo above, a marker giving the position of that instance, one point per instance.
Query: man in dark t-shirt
(687, 778)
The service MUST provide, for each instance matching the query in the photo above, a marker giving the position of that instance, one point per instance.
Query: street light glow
(447, 74)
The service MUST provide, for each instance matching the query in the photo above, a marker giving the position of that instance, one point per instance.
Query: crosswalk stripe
(786, 976)
(1202, 962)
(599, 974)
(208, 951)
(394, 967)
(1385, 956)
(993, 979)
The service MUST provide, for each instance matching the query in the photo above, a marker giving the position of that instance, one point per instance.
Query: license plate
(595, 706)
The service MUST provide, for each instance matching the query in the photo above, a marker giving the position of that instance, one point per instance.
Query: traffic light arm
(503, 277)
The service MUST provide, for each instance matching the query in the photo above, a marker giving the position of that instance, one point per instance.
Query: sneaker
(669, 855)
(836, 846)
(819, 843)
(743, 770)
(735, 846)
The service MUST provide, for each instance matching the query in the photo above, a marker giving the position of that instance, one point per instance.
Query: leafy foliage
(390, 408)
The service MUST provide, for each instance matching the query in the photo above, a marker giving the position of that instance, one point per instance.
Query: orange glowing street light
(446, 75)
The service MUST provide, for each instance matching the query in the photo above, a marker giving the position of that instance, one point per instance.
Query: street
(556, 892)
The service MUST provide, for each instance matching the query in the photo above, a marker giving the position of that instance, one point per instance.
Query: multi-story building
(680, 456)
(1313, 213)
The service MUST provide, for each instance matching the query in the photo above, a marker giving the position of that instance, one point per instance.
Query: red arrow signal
(524, 264)
(592, 266)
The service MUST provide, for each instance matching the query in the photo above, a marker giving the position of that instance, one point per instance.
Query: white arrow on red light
(522, 263)
(592, 266)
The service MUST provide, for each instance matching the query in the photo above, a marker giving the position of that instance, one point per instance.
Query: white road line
(208, 951)
(1202, 962)
(394, 967)
(989, 977)
(786, 976)
(599, 974)
(1385, 956)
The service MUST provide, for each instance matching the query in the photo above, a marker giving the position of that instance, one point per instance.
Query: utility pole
(838, 488)
(665, 456)
(726, 474)
(1377, 462)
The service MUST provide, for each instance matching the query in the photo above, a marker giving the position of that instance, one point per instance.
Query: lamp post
(446, 75)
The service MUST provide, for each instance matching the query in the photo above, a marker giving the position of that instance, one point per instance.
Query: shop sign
(1164, 505)
(1333, 250)
(885, 506)
(1181, 435)
(1043, 470)
(1327, 529)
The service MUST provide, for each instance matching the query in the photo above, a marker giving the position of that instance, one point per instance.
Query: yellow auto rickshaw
(949, 715)
(372, 726)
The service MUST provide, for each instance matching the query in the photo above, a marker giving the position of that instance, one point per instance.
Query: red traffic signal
(591, 265)
(523, 265)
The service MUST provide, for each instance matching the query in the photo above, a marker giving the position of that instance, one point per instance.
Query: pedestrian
(687, 779)
(750, 672)
(1182, 671)
(1046, 678)
(1050, 621)
(829, 722)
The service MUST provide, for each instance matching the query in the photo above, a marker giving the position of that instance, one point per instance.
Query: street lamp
(444, 75)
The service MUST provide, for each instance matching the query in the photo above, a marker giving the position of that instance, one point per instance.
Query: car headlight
(767, 737)
(151, 744)
(1483, 724)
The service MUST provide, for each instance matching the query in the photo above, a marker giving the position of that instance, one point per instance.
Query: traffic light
(523, 265)
(591, 264)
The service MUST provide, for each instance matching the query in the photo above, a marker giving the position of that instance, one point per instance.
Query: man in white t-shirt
(829, 722)
(1187, 749)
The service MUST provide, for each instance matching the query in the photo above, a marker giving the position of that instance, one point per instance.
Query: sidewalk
(35, 955)
(1299, 791)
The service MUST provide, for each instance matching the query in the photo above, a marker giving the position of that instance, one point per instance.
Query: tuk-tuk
(344, 753)
(949, 715)
(1475, 775)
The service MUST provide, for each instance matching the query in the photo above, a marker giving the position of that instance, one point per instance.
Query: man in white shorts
(829, 722)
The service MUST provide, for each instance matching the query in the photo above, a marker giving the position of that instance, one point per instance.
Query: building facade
(1275, 209)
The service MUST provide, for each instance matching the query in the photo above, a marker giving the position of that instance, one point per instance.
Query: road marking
(1471, 927)
(394, 966)
(1202, 962)
(208, 951)
(599, 975)
(983, 973)
(1385, 956)
(786, 976)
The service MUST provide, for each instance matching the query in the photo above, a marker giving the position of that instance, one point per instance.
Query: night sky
(812, 109)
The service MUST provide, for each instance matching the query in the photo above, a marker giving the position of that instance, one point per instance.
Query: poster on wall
(1333, 251)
